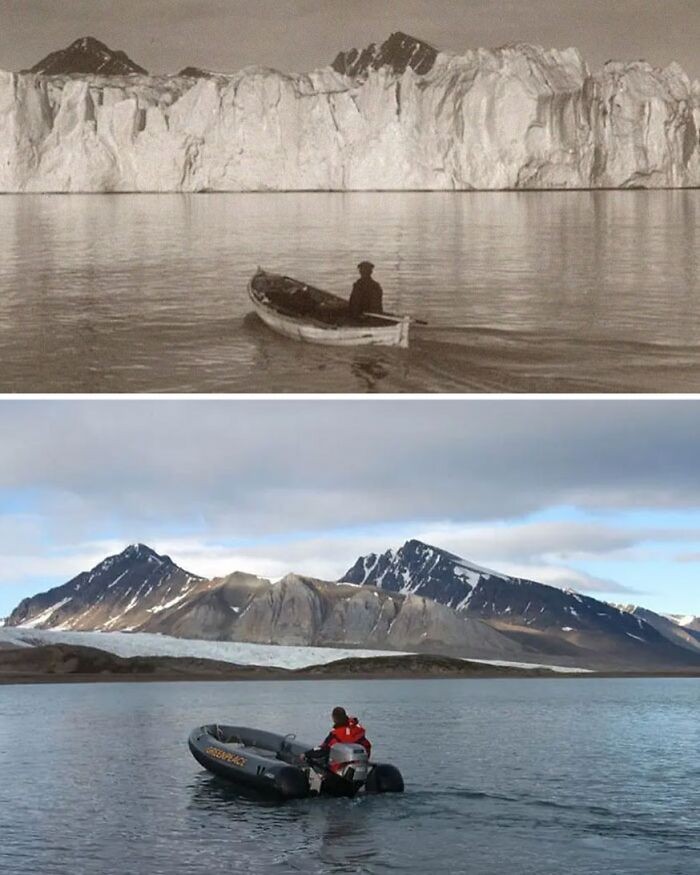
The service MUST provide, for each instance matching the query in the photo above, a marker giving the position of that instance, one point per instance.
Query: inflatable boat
(283, 767)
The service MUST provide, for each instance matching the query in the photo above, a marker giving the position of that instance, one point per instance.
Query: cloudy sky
(603, 496)
(166, 35)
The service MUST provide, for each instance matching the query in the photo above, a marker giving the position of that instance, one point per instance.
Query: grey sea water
(536, 777)
(548, 291)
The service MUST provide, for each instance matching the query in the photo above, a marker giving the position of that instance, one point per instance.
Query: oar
(391, 317)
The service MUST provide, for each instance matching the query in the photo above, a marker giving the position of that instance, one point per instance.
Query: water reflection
(336, 833)
(214, 795)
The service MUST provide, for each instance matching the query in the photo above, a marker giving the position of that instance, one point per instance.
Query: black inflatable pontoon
(277, 764)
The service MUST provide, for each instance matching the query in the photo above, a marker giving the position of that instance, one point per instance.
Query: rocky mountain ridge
(138, 590)
(398, 53)
(686, 621)
(544, 617)
(416, 599)
(87, 55)
(120, 593)
(684, 634)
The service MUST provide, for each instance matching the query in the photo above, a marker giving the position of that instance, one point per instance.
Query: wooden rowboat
(302, 312)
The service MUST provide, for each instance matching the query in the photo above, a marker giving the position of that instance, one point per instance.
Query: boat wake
(480, 359)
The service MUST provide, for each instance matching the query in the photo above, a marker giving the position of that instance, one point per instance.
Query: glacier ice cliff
(517, 117)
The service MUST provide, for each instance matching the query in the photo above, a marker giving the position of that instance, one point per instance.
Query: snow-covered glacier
(128, 644)
(516, 117)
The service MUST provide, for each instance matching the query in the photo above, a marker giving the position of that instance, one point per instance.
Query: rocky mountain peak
(416, 548)
(141, 551)
(131, 586)
(399, 52)
(88, 44)
(420, 569)
(196, 73)
(423, 570)
(87, 55)
(134, 554)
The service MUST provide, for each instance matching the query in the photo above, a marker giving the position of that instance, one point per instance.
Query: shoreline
(61, 664)
(53, 679)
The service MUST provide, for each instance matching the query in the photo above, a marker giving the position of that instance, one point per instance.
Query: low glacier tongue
(516, 117)
(128, 644)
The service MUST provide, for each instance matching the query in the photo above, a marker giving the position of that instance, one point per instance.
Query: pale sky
(299, 35)
(602, 496)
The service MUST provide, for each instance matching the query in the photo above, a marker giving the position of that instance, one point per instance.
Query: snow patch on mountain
(684, 620)
(44, 616)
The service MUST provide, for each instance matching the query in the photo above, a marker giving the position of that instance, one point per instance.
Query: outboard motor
(349, 762)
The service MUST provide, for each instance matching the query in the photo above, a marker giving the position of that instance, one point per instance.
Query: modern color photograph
(470, 636)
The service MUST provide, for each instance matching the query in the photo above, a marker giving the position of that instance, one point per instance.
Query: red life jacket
(351, 733)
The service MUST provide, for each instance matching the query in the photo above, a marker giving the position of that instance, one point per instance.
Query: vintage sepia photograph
(236, 196)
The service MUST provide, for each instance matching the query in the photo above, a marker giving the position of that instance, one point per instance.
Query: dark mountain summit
(433, 573)
(420, 569)
(196, 73)
(399, 53)
(86, 55)
(544, 616)
(120, 592)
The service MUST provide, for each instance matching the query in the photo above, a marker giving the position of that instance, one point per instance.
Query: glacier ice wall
(516, 117)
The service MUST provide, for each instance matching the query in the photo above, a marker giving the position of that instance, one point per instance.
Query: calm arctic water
(555, 291)
(529, 777)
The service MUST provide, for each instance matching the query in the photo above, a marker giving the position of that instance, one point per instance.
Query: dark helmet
(365, 265)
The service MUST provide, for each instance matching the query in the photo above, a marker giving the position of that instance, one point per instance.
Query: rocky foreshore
(62, 663)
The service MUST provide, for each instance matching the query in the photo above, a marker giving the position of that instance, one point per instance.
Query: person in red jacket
(345, 730)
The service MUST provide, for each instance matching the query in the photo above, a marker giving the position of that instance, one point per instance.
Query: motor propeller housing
(349, 761)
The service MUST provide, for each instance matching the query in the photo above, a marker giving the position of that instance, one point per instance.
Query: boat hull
(273, 765)
(243, 766)
(394, 333)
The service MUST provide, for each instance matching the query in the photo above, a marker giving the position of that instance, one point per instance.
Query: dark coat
(366, 297)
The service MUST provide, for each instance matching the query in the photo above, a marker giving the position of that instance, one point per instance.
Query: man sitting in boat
(366, 296)
(346, 730)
